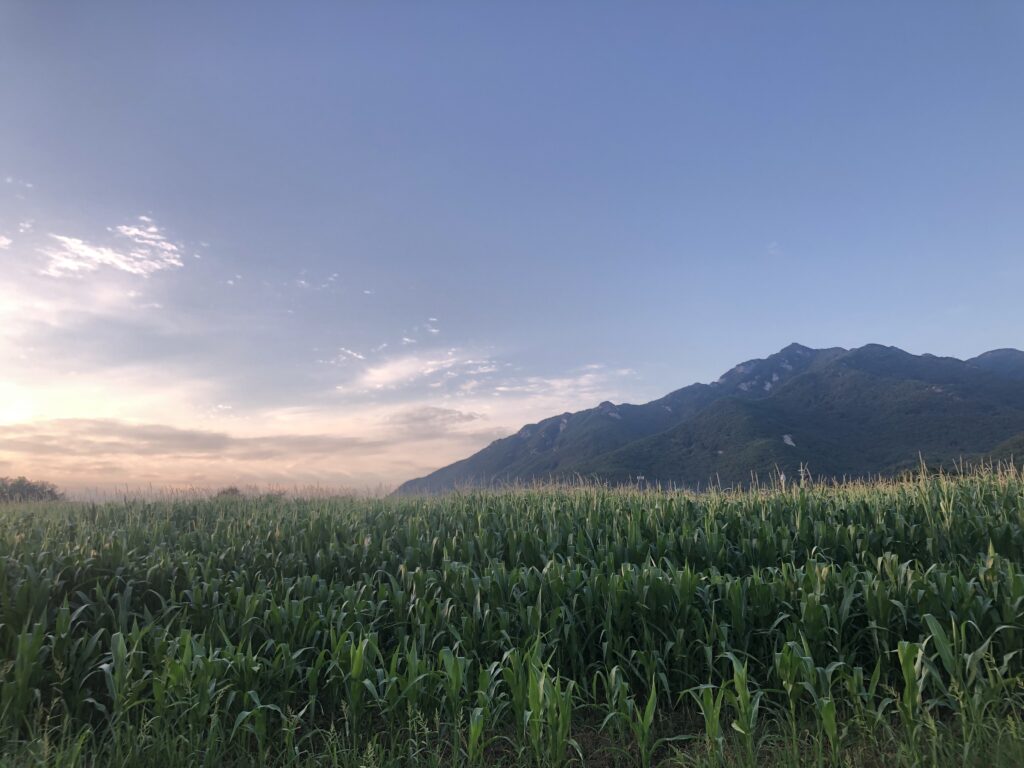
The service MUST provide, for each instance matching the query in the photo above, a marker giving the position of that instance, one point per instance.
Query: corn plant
(745, 704)
(709, 700)
(484, 626)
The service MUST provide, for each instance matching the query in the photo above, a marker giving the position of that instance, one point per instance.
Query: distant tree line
(23, 489)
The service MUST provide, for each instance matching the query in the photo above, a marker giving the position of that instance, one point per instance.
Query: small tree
(23, 489)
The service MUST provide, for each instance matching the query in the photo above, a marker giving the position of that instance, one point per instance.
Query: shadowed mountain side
(1011, 450)
(870, 410)
(1009, 362)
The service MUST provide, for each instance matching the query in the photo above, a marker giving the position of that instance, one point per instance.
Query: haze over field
(352, 245)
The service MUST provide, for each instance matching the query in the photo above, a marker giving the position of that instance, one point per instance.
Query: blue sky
(348, 243)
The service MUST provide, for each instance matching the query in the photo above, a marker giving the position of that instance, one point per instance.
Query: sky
(345, 244)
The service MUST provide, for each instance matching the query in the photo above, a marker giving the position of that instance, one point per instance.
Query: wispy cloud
(105, 437)
(345, 355)
(53, 327)
(461, 373)
(592, 382)
(141, 249)
(430, 421)
(405, 370)
(5, 243)
(308, 283)
(15, 182)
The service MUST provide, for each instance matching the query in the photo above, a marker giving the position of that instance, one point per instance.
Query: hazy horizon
(350, 245)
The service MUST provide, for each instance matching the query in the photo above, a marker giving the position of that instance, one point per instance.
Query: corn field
(862, 624)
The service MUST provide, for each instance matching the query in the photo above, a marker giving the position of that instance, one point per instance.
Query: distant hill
(838, 412)
(1009, 362)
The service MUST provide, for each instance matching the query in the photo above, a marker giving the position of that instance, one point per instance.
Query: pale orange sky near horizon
(102, 431)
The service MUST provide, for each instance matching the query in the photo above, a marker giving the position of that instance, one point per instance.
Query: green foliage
(853, 625)
(23, 489)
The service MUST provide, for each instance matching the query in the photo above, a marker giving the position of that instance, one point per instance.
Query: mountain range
(872, 410)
